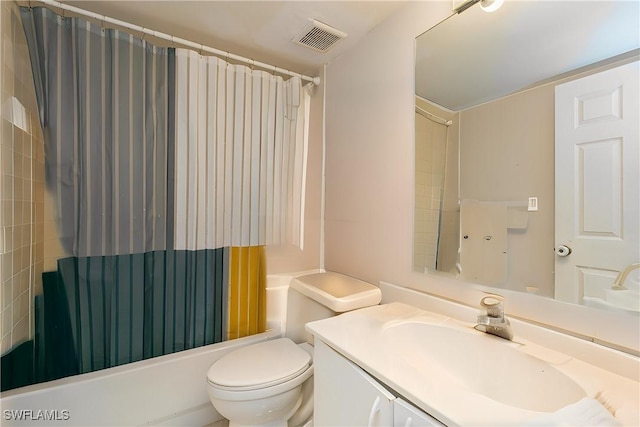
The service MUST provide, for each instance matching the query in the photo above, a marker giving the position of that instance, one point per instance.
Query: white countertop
(354, 335)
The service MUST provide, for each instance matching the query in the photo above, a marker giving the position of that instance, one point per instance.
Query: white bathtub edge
(133, 394)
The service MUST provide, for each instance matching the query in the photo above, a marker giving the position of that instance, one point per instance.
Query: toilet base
(279, 422)
(272, 411)
(303, 416)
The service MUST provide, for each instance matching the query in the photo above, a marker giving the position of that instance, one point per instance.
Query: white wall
(369, 155)
(506, 153)
(370, 132)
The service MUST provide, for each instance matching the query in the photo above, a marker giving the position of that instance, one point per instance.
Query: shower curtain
(171, 172)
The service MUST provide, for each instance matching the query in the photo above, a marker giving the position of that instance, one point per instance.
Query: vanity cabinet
(345, 395)
(407, 415)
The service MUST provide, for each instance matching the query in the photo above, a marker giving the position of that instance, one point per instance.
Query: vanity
(396, 364)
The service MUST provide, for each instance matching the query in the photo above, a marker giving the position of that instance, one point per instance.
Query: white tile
(6, 261)
(20, 331)
(7, 321)
(5, 344)
(6, 293)
(20, 307)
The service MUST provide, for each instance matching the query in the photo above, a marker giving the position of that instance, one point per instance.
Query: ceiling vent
(320, 37)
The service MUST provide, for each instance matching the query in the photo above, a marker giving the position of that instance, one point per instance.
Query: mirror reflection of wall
(506, 153)
(506, 127)
(436, 169)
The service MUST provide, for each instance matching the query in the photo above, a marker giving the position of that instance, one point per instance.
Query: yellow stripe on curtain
(247, 291)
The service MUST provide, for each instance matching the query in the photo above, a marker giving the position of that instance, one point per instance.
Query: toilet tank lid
(336, 291)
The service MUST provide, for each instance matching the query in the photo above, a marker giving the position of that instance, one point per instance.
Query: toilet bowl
(260, 384)
(271, 383)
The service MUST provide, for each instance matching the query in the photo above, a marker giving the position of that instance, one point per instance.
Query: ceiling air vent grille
(319, 36)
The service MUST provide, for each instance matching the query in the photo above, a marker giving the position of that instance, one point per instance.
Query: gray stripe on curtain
(103, 97)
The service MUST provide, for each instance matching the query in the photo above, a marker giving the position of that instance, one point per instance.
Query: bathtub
(166, 390)
(163, 391)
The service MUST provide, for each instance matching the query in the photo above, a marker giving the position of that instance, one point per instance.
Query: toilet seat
(280, 361)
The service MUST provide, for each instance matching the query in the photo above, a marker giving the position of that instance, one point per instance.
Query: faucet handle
(493, 304)
(618, 284)
(494, 322)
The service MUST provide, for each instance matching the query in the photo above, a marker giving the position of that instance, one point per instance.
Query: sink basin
(482, 364)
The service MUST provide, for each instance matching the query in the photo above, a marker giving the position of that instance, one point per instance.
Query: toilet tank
(322, 295)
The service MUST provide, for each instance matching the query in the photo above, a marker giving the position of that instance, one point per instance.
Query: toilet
(271, 383)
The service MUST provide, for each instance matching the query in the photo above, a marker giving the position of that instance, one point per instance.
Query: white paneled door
(597, 181)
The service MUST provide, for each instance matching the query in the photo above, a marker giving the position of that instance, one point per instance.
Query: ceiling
(452, 69)
(259, 30)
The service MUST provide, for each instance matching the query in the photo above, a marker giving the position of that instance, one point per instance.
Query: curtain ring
(143, 34)
(201, 48)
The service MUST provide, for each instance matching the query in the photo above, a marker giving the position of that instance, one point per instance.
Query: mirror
(485, 138)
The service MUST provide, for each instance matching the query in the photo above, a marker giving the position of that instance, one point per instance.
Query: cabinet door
(345, 395)
(407, 415)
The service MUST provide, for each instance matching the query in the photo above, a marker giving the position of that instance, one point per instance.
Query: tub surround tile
(21, 183)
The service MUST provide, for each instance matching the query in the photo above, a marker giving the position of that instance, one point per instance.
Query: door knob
(563, 250)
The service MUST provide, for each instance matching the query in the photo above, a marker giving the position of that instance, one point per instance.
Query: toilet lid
(259, 365)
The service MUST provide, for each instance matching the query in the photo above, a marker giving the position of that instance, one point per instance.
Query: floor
(225, 423)
(221, 423)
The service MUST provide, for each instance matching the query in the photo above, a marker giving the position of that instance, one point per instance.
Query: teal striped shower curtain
(151, 196)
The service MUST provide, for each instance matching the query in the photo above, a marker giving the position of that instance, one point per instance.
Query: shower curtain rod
(433, 117)
(178, 40)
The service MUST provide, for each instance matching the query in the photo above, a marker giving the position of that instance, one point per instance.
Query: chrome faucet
(618, 284)
(494, 321)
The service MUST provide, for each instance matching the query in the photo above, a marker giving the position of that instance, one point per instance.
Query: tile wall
(430, 150)
(21, 184)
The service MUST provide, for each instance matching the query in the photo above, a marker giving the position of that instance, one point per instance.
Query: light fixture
(491, 5)
(486, 5)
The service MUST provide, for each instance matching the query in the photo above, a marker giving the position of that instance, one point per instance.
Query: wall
(506, 153)
(436, 214)
(22, 185)
(369, 139)
(430, 148)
